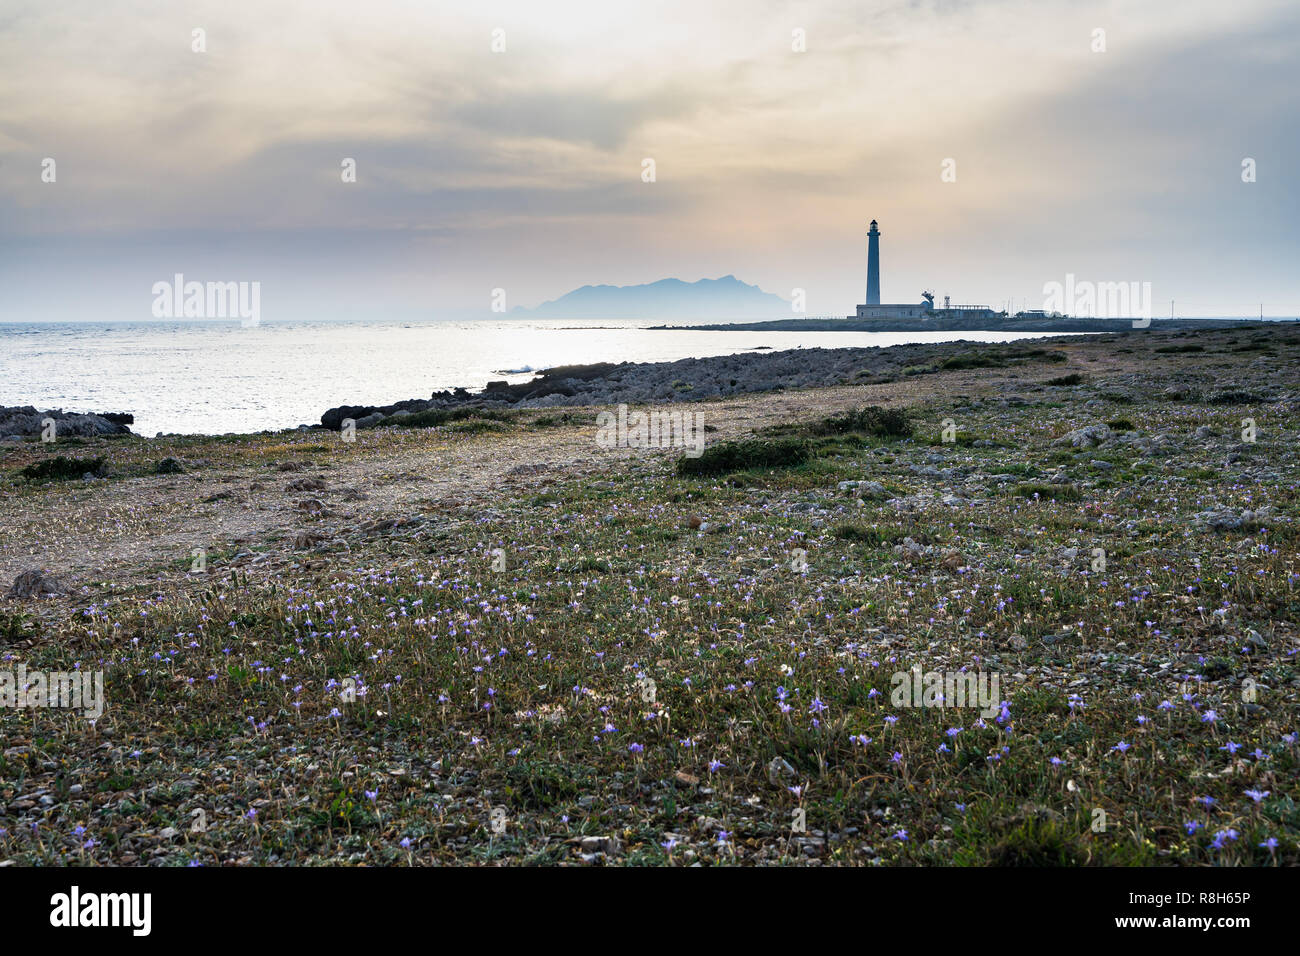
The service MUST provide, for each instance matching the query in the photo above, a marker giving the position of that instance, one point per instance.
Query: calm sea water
(207, 377)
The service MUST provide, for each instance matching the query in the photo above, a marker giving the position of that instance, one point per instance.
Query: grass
(16, 626)
(654, 645)
(745, 455)
(867, 420)
(999, 358)
(1006, 357)
(869, 535)
(1074, 378)
(1234, 397)
(561, 420)
(437, 417)
(61, 468)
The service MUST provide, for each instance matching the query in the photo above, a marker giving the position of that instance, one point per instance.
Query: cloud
(474, 165)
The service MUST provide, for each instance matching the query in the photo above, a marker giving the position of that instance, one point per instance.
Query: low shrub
(742, 455)
(435, 417)
(62, 469)
(868, 420)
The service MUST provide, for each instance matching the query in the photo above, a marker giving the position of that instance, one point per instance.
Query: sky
(503, 146)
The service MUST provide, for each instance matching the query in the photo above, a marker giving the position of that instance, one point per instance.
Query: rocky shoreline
(18, 422)
(685, 380)
(961, 324)
(691, 380)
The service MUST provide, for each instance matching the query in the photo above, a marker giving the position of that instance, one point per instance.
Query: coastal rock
(861, 489)
(1087, 437)
(600, 844)
(34, 582)
(686, 380)
(333, 419)
(25, 421)
(1228, 519)
(779, 771)
(305, 484)
(302, 540)
(1155, 445)
(910, 549)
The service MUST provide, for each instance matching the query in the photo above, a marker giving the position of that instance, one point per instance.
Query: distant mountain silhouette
(725, 298)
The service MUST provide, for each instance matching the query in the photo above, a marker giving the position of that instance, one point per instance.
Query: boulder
(1088, 437)
(34, 582)
(26, 421)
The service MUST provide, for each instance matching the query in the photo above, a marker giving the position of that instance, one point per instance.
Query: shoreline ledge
(1035, 325)
(725, 376)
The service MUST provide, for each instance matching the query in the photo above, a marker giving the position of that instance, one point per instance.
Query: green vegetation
(435, 417)
(1234, 397)
(999, 358)
(744, 455)
(60, 468)
(868, 420)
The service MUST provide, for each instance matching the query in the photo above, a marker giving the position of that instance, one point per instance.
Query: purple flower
(1223, 835)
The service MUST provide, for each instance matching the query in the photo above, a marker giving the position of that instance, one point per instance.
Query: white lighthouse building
(873, 309)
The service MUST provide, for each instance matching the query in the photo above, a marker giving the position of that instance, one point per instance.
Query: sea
(217, 377)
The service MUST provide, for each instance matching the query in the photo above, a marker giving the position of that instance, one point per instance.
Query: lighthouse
(921, 312)
(873, 265)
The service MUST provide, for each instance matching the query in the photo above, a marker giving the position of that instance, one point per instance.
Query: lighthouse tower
(873, 265)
